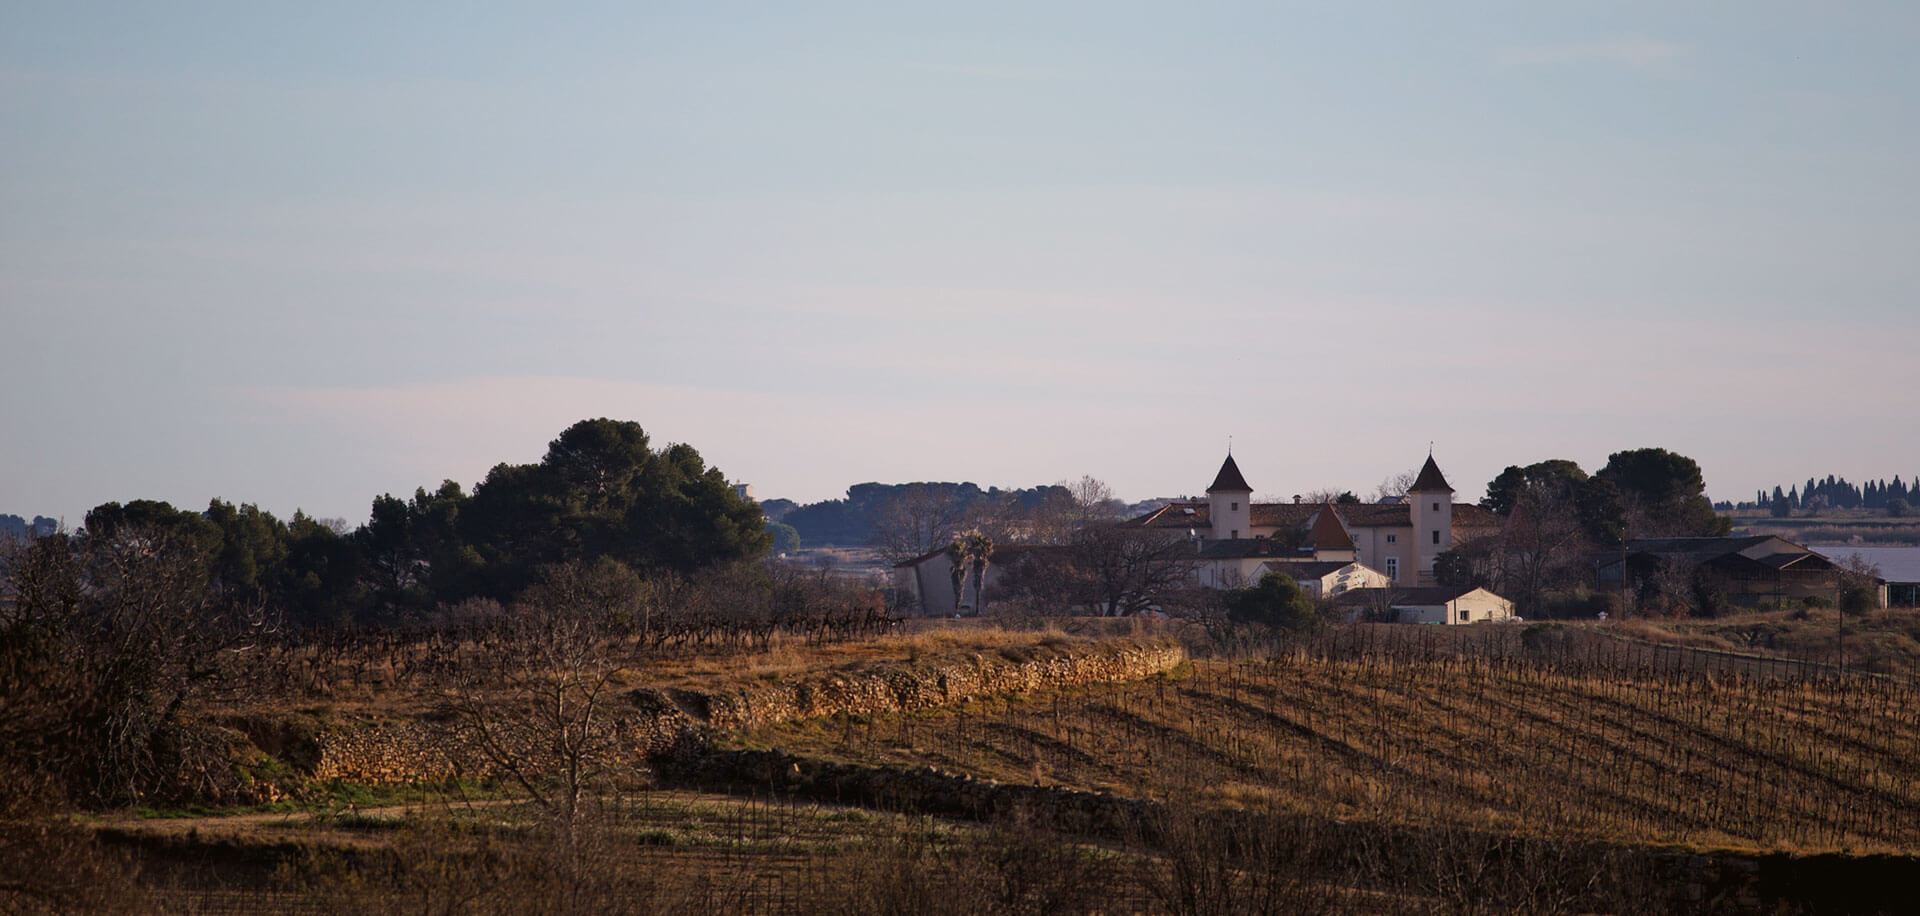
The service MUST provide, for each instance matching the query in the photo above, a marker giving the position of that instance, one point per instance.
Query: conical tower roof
(1229, 479)
(1327, 532)
(1430, 479)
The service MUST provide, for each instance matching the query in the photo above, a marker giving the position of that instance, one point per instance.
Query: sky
(300, 255)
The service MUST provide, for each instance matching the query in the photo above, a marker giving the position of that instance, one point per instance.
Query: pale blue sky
(303, 254)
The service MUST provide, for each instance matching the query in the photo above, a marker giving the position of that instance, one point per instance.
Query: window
(1465, 615)
(1235, 507)
(1235, 535)
(1436, 535)
(1436, 507)
(1391, 537)
(1393, 568)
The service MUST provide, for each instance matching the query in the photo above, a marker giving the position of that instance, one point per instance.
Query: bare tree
(1542, 545)
(105, 642)
(918, 520)
(1394, 488)
(540, 720)
(1326, 495)
(1119, 572)
(1071, 506)
(1859, 586)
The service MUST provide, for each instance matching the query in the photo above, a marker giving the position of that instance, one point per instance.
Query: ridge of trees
(600, 492)
(15, 528)
(907, 519)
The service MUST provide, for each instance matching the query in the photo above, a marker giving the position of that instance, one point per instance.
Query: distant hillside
(13, 527)
(850, 522)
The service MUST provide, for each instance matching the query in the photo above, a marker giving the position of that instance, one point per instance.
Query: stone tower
(1230, 503)
(1431, 502)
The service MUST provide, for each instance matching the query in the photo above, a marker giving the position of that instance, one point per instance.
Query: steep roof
(1298, 516)
(1242, 548)
(1430, 479)
(1701, 549)
(1305, 569)
(1328, 533)
(1229, 479)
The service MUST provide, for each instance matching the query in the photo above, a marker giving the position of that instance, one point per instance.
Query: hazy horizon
(300, 256)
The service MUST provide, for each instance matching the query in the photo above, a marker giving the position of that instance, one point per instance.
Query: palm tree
(970, 552)
(979, 551)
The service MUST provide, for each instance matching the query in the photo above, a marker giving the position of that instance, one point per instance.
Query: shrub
(1276, 601)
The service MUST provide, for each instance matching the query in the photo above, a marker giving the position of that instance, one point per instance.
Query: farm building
(1898, 567)
(1426, 604)
(927, 580)
(1750, 569)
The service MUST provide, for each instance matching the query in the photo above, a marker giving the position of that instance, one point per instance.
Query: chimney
(1296, 499)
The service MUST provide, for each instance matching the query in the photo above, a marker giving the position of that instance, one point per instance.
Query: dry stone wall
(651, 722)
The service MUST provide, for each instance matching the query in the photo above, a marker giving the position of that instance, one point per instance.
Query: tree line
(1557, 518)
(601, 492)
(13, 527)
(872, 513)
(1895, 497)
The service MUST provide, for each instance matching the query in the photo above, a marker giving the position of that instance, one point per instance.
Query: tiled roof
(1698, 550)
(1229, 479)
(1175, 515)
(1304, 569)
(1241, 548)
(1430, 479)
(1298, 516)
(1327, 532)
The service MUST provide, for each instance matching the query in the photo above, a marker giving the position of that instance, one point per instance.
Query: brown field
(1520, 769)
(1636, 754)
(1884, 642)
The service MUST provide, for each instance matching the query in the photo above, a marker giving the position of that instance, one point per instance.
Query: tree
(786, 539)
(1664, 493)
(105, 639)
(253, 550)
(1121, 572)
(1107, 570)
(1554, 474)
(915, 520)
(600, 491)
(1859, 581)
(1275, 601)
(1394, 488)
(1457, 567)
(541, 719)
(1326, 495)
(971, 551)
(1543, 546)
(1068, 506)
